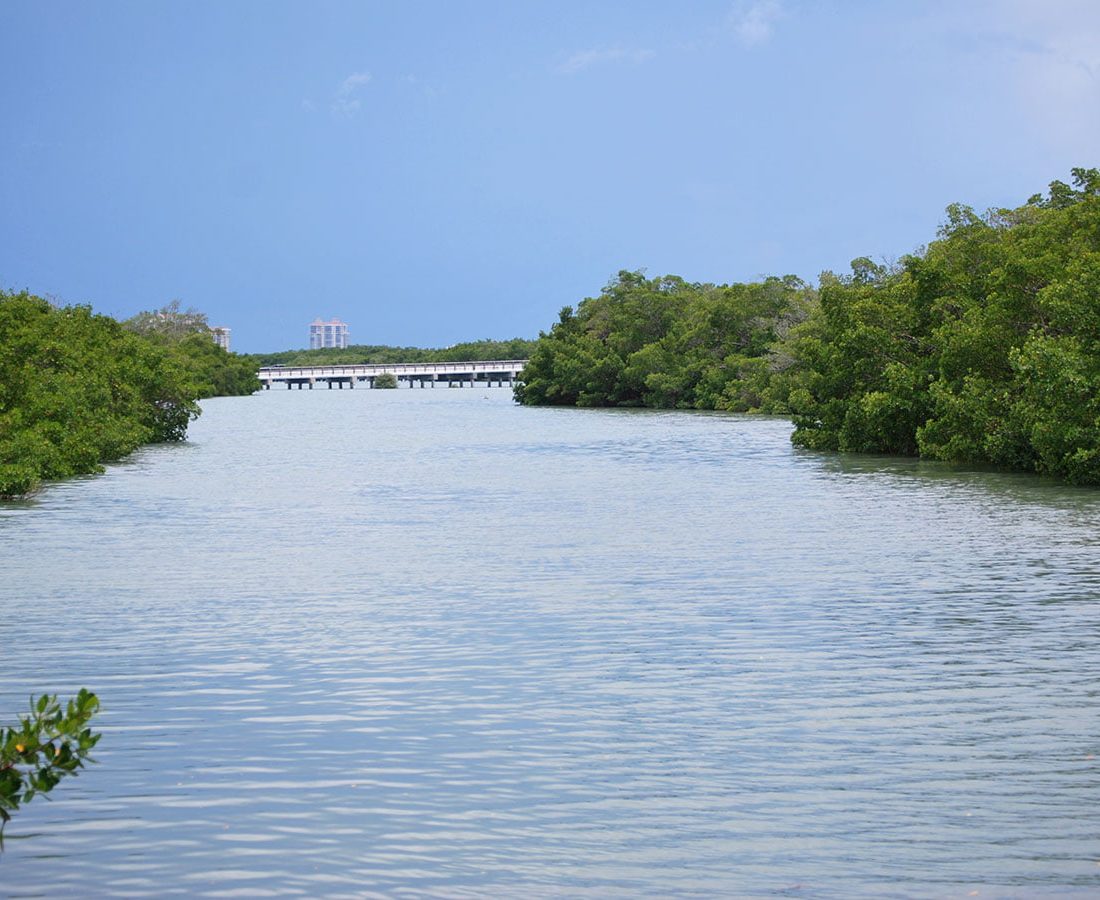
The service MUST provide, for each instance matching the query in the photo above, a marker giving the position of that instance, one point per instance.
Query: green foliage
(43, 748)
(385, 380)
(77, 389)
(169, 322)
(356, 354)
(665, 342)
(187, 338)
(985, 348)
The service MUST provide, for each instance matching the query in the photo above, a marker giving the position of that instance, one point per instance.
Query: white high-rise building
(333, 333)
(221, 336)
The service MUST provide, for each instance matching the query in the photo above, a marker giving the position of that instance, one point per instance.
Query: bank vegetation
(981, 348)
(78, 389)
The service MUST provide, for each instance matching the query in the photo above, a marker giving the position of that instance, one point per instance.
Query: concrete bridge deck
(502, 372)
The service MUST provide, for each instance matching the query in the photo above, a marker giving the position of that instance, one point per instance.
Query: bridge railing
(276, 373)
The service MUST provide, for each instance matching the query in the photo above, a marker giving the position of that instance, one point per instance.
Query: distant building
(221, 337)
(327, 334)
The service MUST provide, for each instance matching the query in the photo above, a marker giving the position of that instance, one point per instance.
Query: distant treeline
(79, 389)
(666, 342)
(517, 348)
(983, 347)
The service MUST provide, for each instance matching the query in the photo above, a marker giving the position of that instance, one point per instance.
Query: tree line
(983, 347)
(78, 389)
(380, 354)
(669, 343)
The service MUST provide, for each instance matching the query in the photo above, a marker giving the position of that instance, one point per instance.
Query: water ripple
(417, 644)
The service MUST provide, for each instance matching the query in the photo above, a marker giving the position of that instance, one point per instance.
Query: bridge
(453, 374)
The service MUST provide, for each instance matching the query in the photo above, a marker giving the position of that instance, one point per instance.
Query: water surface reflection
(431, 643)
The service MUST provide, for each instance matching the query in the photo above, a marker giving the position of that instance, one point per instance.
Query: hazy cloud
(427, 90)
(1048, 54)
(753, 21)
(587, 58)
(346, 102)
(1058, 77)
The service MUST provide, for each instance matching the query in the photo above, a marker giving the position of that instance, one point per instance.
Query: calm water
(426, 643)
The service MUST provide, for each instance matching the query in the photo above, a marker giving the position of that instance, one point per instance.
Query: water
(428, 643)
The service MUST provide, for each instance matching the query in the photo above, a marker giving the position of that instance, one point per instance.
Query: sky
(434, 172)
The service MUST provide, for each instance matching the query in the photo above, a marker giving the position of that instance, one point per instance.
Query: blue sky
(432, 172)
